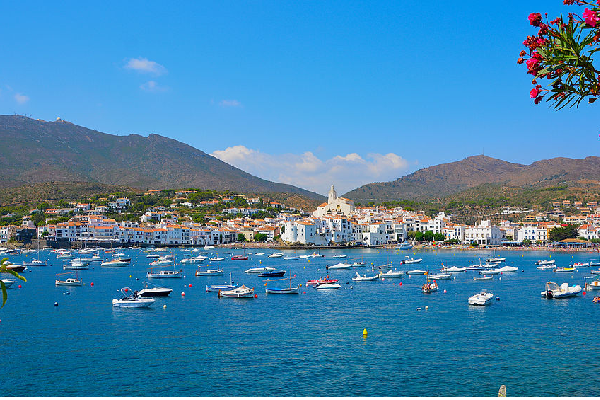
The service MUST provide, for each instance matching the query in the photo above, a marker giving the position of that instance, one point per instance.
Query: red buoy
(92, 284)
(183, 293)
(19, 286)
(255, 296)
(400, 284)
(190, 285)
(126, 289)
(584, 293)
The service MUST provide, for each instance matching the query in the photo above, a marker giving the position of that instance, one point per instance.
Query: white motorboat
(76, 266)
(216, 259)
(508, 268)
(405, 246)
(132, 301)
(151, 290)
(8, 282)
(597, 272)
(69, 282)
(580, 265)
(496, 271)
(594, 263)
(35, 263)
(545, 262)
(454, 269)
(153, 256)
(64, 254)
(339, 256)
(482, 298)
(442, 277)
(339, 266)
(209, 272)
(495, 259)
(594, 285)
(553, 291)
(392, 273)
(483, 278)
(361, 278)
(193, 260)
(166, 260)
(328, 286)
(114, 263)
(358, 264)
(416, 272)
(480, 266)
(259, 254)
(259, 270)
(165, 274)
(276, 255)
(216, 288)
(546, 266)
(409, 260)
(291, 258)
(208, 247)
(241, 292)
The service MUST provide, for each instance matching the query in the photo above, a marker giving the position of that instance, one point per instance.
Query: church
(335, 205)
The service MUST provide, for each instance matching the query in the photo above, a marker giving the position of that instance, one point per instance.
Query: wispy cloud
(144, 65)
(21, 98)
(230, 103)
(306, 170)
(153, 87)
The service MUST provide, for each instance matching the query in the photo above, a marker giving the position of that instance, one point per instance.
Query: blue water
(304, 345)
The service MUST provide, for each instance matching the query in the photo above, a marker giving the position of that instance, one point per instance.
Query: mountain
(449, 179)
(35, 151)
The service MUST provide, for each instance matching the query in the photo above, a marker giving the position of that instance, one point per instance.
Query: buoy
(130, 276)
(190, 285)
(365, 333)
(427, 307)
(444, 290)
(400, 284)
(584, 293)
(126, 289)
(383, 279)
(497, 298)
(255, 296)
(303, 292)
(56, 304)
(19, 286)
(183, 293)
(164, 306)
(92, 284)
(418, 308)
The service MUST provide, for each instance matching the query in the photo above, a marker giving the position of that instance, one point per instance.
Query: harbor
(73, 341)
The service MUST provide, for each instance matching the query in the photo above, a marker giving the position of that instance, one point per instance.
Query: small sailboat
(164, 273)
(216, 288)
(282, 290)
(209, 272)
(241, 292)
(364, 278)
(70, 281)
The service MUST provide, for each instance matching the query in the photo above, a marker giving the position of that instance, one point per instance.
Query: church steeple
(332, 195)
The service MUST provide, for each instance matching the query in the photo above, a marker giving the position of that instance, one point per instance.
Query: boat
(339, 256)
(316, 282)
(207, 247)
(580, 265)
(483, 278)
(482, 298)
(391, 274)
(76, 265)
(594, 285)
(151, 290)
(443, 277)
(165, 274)
(7, 282)
(193, 260)
(454, 269)
(594, 263)
(416, 272)
(291, 258)
(339, 266)
(282, 290)
(408, 260)
(495, 260)
(259, 254)
(553, 291)
(259, 270)
(35, 263)
(596, 299)
(508, 268)
(216, 259)
(132, 301)
(216, 288)
(164, 260)
(405, 246)
(545, 262)
(496, 271)
(64, 254)
(429, 287)
(565, 269)
(115, 263)
(209, 272)
(239, 257)
(241, 292)
(328, 286)
(276, 255)
(597, 272)
(153, 256)
(364, 278)
(15, 267)
(546, 266)
(358, 264)
(69, 281)
(272, 274)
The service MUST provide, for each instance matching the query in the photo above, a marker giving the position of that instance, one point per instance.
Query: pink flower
(535, 19)
(590, 17)
(534, 93)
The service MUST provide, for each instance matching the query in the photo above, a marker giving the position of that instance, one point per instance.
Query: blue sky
(307, 93)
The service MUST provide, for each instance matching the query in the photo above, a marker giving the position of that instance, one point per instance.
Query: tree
(260, 237)
(241, 237)
(562, 233)
(562, 52)
(4, 269)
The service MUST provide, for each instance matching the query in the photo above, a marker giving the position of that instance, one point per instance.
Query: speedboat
(239, 257)
(151, 290)
(209, 272)
(429, 287)
(193, 260)
(328, 286)
(338, 266)
(272, 274)
(454, 269)
(361, 278)
(241, 292)
(594, 263)
(69, 282)
(276, 255)
(162, 261)
(508, 268)
(408, 260)
(291, 258)
(553, 291)
(546, 266)
(495, 259)
(165, 274)
(339, 256)
(416, 272)
(15, 267)
(153, 256)
(357, 264)
(284, 290)
(216, 259)
(8, 282)
(545, 262)
(132, 301)
(594, 285)
(565, 269)
(597, 272)
(259, 270)
(35, 263)
(116, 263)
(483, 278)
(482, 298)
(316, 282)
(443, 277)
(392, 274)
(405, 246)
(496, 271)
(580, 265)
(76, 265)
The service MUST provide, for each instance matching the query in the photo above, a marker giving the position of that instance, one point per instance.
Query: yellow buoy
(130, 276)
(365, 333)
(164, 306)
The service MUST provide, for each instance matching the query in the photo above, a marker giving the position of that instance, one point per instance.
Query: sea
(71, 341)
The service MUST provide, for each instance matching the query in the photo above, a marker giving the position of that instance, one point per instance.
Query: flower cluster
(562, 52)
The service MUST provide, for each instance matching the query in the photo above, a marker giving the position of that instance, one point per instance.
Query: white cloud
(21, 98)
(146, 66)
(230, 103)
(152, 86)
(308, 171)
